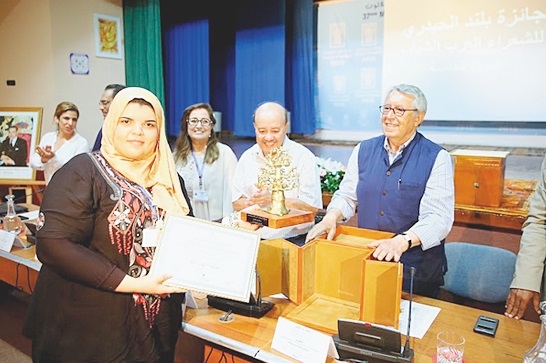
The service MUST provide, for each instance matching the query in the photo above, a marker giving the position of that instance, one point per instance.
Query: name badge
(149, 237)
(200, 195)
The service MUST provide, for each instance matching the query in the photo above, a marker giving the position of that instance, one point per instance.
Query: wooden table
(509, 215)
(19, 267)
(251, 338)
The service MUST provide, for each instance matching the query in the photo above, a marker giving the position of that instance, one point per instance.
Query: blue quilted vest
(389, 197)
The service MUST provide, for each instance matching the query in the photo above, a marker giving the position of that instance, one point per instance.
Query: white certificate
(208, 257)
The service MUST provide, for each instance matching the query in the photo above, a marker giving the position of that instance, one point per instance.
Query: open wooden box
(333, 279)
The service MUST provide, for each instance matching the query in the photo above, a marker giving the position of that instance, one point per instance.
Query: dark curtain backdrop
(300, 70)
(143, 49)
(259, 59)
(235, 58)
(187, 67)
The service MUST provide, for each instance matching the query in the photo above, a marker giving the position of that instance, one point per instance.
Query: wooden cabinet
(479, 177)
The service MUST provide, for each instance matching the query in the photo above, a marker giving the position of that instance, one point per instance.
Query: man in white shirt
(271, 125)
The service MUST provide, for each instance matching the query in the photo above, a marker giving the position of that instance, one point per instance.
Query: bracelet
(407, 238)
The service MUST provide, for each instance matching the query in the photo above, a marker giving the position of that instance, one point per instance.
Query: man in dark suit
(13, 150)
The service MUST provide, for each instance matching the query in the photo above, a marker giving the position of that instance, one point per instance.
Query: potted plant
(331, 175)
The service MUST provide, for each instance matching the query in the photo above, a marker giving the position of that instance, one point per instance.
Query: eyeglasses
(105, 103)
(398, 111)
(204, 121)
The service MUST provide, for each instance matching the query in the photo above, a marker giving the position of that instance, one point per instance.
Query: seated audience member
(13, 150)
(401, 183)
(57, 147)
(206, 165)
(104, 105)
(529, 275)
(94, 300)
(271, 125)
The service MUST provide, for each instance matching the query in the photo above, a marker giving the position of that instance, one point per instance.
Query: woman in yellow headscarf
(94, 300)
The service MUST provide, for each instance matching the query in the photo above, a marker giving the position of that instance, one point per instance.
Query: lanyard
(199, 168)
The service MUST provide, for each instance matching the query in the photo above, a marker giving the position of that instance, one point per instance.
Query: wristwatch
(407, 238)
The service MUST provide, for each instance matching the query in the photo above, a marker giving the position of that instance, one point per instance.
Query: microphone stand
(407, 350)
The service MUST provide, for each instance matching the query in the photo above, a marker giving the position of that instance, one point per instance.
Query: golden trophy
(277, 175)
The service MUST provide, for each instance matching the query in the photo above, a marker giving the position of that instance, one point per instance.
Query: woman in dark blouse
(94, 300)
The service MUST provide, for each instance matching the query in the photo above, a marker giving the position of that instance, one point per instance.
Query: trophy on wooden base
(277, 175)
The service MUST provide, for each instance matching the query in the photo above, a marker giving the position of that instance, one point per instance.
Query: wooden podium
(333, 279)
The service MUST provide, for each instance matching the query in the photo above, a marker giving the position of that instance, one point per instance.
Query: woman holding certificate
(94, 300)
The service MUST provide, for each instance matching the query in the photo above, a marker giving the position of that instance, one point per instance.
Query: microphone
(259, 302)
(256, 307)
(25, 196)
(407, 344)
(18, 208)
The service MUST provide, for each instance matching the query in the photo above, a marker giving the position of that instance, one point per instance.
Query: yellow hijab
(157, 171)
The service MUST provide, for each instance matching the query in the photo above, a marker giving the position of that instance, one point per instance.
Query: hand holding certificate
(207, 257)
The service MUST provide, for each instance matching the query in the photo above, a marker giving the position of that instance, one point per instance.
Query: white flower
(331, 174)
(329, 165)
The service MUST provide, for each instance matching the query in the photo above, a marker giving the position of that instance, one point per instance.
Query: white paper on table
(30, 215)
(422, 317)
(302, 343)
(190, 300)
(6, 240)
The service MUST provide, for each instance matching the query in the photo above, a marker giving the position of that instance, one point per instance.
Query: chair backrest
(479, 272)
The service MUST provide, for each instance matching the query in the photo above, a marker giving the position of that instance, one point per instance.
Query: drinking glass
(450, 347)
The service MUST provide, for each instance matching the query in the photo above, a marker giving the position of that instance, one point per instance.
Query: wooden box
(380, 302)
(326, 278)
(479, 177)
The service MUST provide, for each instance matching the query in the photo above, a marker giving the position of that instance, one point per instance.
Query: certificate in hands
(208, 257)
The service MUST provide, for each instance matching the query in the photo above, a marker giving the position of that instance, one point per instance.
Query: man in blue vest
(402, 183)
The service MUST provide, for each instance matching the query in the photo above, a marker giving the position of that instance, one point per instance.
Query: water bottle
(537, 354)
(11, 222)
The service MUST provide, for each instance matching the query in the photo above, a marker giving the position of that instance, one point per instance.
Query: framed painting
(108, 36)
(19, 136)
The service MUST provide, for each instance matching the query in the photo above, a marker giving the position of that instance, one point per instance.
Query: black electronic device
(18, 209)
(486, 325)
(31, 237)
(255, 307)
(368, 343)
(251, 308)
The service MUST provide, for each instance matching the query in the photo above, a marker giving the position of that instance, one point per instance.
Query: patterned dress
(92, 222)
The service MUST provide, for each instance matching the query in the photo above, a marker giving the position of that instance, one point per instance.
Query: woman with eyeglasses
(402, 183)
(206, 165)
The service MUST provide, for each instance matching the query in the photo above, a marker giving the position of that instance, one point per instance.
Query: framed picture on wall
(108, 36)
(19, 136)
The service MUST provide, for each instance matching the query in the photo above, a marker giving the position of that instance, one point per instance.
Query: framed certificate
(207, 257)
